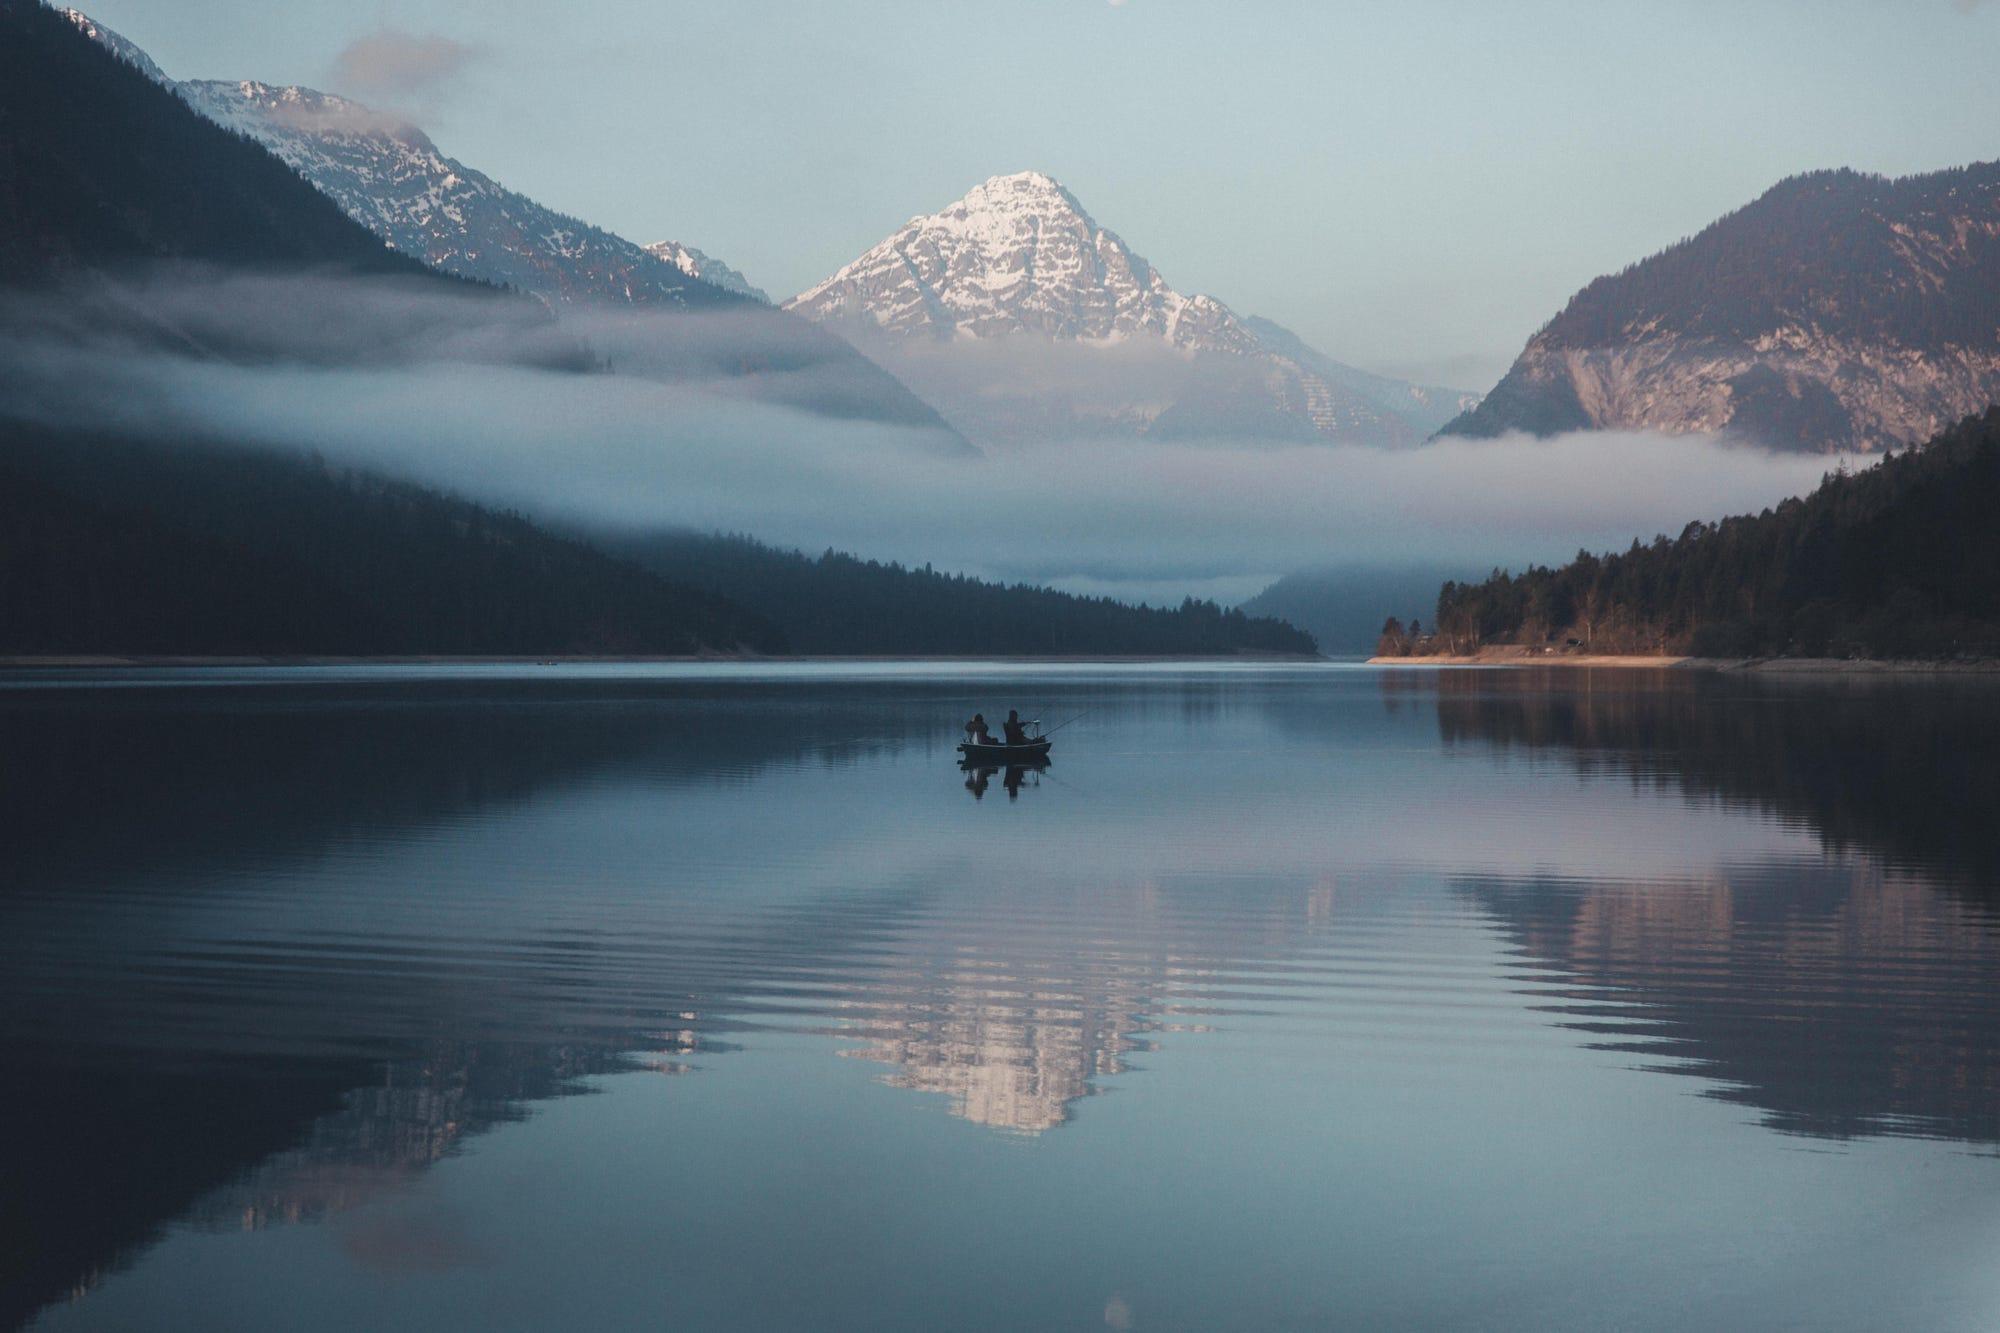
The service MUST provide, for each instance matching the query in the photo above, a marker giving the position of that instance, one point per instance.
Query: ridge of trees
(1893, 561)
(1824, 245)
(839, 604)
(1906, 262)
(116, 546)
(100, 166)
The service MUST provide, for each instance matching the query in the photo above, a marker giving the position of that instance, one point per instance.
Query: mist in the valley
(621, 421)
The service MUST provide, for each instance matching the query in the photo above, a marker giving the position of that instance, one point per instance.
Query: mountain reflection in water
(1851, 996)
(271, 951)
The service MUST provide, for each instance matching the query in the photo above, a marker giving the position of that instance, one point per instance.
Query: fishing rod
(1059, 726)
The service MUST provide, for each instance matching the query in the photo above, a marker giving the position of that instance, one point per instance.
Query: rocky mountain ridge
(709, 269)
(388, 175)
(392, 179)
(1838, 311)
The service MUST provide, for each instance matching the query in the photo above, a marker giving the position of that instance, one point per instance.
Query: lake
(720, 997)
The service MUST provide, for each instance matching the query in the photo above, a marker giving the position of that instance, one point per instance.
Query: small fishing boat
(1034, 752)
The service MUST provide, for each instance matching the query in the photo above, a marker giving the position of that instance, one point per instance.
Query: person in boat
(1012, 729)
(976, 732)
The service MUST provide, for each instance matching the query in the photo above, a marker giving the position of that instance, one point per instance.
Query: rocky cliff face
(1838, 311)
(1023, 318)
(389, 176)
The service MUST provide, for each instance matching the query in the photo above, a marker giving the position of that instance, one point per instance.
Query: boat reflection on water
(979, 776)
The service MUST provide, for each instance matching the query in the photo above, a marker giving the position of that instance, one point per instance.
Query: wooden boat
(1034, 752)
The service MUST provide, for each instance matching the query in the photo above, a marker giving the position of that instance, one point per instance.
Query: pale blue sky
(1412, 186)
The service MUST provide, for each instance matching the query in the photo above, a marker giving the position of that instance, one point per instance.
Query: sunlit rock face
(1023, 317)
(1019, 254)
(1837, 312)
(388, 176)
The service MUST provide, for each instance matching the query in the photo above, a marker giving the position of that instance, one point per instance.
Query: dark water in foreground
(1286, 998)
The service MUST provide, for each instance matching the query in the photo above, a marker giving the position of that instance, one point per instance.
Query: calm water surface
(1286, 998)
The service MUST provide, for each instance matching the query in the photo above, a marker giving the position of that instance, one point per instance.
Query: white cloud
(400, 68)
(394, 378)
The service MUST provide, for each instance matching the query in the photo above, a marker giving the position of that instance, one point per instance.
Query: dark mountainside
(1895, 561)
(836, 604)
(112, 546)
(1342, 608)
(101, 167)
(1837, 311)
(393, 181)
(103, 170)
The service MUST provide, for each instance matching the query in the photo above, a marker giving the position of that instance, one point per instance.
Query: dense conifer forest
(838, 604)
(1895, 561)
(100, 166)
(114, 546)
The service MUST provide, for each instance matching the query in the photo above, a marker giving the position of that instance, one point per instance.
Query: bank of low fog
(499, 415)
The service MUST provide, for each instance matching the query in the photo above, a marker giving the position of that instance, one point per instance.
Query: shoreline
(1788, 666)
(78, 661)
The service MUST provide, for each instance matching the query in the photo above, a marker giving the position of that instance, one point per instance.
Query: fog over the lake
(607, 421)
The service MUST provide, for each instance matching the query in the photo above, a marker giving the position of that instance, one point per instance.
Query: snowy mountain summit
(392, 179)
(117, 46)
(1018, 254)
(954, 300)
(389, 176)
(706, 267)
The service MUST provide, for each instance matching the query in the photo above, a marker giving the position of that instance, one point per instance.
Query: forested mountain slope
(1897, 560)
(117, 546)
(837, 604)
(101, 166)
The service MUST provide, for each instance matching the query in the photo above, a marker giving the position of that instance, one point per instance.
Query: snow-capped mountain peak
(117, 46)
(1020, 259)
(1018, 254)
(709, 269)
(386, 174)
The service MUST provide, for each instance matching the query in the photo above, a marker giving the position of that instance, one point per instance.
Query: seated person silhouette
(1012, 729)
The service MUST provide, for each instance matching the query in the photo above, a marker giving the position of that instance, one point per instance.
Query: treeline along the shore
(1897, 560)
(839, 604)
(111, 545)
